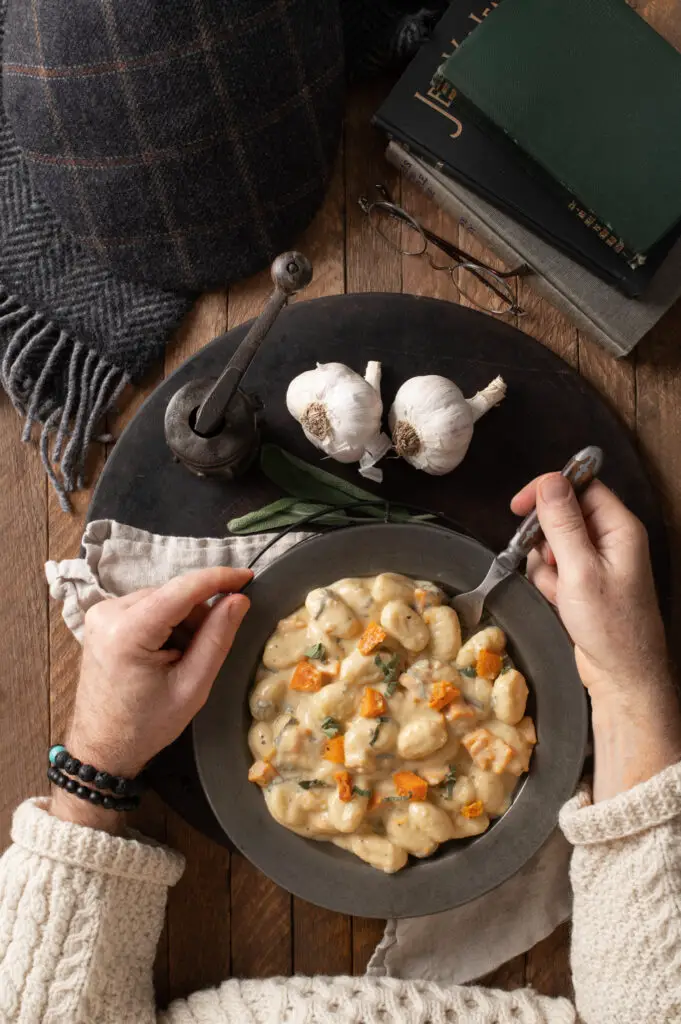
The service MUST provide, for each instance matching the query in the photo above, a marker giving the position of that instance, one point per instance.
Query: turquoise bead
(54, 751)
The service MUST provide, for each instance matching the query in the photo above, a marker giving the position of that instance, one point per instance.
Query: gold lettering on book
(443, 92)
(445, 113)
(483, 14)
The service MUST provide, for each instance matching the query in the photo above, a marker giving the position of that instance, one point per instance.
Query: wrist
(637, 734)
(105, 757)
(71, 808)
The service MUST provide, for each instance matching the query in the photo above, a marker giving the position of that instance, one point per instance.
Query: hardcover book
(429, 121)
(592, 94)
(594, 307)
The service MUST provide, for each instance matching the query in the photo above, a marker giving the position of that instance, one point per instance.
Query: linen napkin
(451, 948)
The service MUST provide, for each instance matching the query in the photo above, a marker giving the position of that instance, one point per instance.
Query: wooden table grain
(224, 918)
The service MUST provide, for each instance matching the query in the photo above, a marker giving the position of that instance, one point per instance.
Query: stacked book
(550, 129)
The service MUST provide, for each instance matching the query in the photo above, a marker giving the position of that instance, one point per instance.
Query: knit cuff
(37, 831)
(649, 804)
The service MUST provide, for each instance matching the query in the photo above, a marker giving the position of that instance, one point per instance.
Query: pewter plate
(461, 870)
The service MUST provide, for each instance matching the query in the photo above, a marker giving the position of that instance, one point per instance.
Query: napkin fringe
(62, 385)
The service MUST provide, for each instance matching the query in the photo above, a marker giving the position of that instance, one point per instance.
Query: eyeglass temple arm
(448, 248)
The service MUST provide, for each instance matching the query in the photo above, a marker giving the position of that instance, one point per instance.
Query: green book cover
(591, 93)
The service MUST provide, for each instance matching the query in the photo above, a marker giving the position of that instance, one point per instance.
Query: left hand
(135, 696)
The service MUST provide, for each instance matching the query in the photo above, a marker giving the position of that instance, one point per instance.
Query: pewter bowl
(461, 870)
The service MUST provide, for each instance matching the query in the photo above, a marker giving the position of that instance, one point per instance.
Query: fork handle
(580, 471)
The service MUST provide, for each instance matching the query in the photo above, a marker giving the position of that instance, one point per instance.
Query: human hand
(595, 567)
(135, 696)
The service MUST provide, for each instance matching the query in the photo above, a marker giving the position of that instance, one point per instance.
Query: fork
(580, 471)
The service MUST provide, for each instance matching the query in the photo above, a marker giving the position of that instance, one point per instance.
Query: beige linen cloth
(450, 948)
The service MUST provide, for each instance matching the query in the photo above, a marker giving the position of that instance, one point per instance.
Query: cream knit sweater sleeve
(81, 912)
(626, 918)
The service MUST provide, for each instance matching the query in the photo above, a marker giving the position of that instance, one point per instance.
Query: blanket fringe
(59, 383)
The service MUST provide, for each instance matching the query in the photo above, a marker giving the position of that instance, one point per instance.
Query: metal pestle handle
(290, 272)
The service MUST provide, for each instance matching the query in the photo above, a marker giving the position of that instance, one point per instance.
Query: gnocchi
(375, 728)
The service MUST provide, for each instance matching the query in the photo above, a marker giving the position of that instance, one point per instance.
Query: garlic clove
(432, 422)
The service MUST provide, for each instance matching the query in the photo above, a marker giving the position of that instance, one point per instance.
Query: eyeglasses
(414, 240)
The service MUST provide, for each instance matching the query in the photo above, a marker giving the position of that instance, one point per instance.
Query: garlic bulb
(340, 412)
(432, 422)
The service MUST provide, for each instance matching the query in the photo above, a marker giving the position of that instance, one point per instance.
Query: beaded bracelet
(93, 796)
(60, 758)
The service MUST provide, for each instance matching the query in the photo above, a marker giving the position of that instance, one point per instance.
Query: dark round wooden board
(549, 414)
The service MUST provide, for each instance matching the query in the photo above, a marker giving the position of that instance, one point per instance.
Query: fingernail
(554, 489)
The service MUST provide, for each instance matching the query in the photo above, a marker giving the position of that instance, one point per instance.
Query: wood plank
(198, 912)
(615, 379)
(261, 924)
(370, 264)
(24, 693)
(322, 940)
(548, 964)
(367, 932)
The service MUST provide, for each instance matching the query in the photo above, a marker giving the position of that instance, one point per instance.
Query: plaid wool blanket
(150, 151)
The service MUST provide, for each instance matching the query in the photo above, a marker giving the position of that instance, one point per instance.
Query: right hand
(595, 567)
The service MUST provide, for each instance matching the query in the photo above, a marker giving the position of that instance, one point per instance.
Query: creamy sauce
(376, 729)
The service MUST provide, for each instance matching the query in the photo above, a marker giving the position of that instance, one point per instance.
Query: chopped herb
(449, 780)
(469, 672)
(317, 652)
(397, 799)
(374, 736)
(389, 669)
(331, 727)
(312, 784)
(361, 792)
(506, 663)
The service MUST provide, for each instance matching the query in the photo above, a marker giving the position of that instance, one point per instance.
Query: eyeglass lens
(484, 289)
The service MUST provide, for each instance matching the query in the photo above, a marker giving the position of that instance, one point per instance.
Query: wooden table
(224, 918)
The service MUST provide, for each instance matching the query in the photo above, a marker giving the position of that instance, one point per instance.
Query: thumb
(211, 644)
(563, 523)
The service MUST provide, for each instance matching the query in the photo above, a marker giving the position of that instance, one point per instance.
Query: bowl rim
(322, 873)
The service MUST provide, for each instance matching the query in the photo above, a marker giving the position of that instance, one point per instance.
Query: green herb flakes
(379, 722)
(506, 664)
(397, 799)
(448, 781)
(357, 791)
(317, 652)
(390, 670)
(331, 727)
(312, 784)
(469, 672)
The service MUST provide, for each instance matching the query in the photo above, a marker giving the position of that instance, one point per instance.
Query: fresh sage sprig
(311, 490)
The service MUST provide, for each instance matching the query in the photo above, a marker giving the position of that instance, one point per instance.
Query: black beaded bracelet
(60, 758)
(93, 796)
